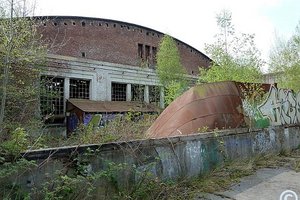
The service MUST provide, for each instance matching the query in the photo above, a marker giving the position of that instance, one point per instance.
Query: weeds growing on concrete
(222, 178)
(83, 184)
(122, 128)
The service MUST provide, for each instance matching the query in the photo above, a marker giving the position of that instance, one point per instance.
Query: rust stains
(210, 106)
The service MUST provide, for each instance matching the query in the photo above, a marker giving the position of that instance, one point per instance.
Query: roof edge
(53, 17)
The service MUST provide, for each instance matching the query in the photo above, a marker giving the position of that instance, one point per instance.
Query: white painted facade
(101, 76)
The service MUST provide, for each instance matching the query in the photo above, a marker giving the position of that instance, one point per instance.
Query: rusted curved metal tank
(206, 106)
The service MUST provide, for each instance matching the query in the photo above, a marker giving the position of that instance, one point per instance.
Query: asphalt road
(265, 184)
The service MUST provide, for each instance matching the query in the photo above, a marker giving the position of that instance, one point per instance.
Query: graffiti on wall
(281, 107)
(254, 118)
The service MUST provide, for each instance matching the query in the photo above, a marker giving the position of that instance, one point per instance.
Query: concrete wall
(166, 158)
(111, 41)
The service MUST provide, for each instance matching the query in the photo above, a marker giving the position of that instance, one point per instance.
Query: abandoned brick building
(102, 60)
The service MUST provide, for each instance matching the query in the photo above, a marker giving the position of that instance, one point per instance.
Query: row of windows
(119, 90)
(52, 93)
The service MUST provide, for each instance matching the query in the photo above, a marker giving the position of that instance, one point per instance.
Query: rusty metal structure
(203, 107)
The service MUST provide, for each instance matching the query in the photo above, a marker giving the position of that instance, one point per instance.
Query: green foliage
(173, 90)
(131, 126)
(15, 144)
(169, 67)
(146, 185)
(83, 183)
(14, 167)
(67, 187)
(221, 144)
(253, 95)
(9, 172)
(203, 129)
(285, 61)
(11, 165)
(21, 51)
(232, 72)
(171, 73)
(235, 56)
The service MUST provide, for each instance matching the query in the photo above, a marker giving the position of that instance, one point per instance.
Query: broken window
(118, 92)
(154, 94)
(52, 97)
(79, 89)
(137, 92)
(140, 51)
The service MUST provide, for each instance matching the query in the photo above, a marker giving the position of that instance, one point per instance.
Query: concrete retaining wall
(166, 158)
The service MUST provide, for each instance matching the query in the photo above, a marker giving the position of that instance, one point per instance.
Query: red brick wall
(110, 41)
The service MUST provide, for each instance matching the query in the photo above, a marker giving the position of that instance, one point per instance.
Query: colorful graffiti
(254, 118)
(281, 107)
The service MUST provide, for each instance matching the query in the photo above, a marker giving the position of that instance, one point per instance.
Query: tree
(170, 71)
(21, 51)
(285, 61)
(168, 60)
(235, 56)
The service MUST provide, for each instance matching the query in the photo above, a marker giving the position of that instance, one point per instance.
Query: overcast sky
(192, 21)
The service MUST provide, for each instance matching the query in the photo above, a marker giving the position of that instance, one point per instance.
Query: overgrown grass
(224, 177)
(70, 186)
(221, 178)
(122, 128)
(66, 186)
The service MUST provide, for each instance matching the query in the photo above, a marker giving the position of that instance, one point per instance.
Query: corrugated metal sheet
(90, 106)
(213, 105)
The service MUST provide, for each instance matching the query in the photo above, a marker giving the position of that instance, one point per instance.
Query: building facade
(104, 60)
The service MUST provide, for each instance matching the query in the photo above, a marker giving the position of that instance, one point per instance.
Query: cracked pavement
(264, 184)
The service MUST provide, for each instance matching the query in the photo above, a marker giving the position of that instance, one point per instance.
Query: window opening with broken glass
(118, 92)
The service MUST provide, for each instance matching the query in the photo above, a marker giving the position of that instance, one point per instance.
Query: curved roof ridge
(52, 17)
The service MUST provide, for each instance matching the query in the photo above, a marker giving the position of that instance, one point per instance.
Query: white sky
(191, 21)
